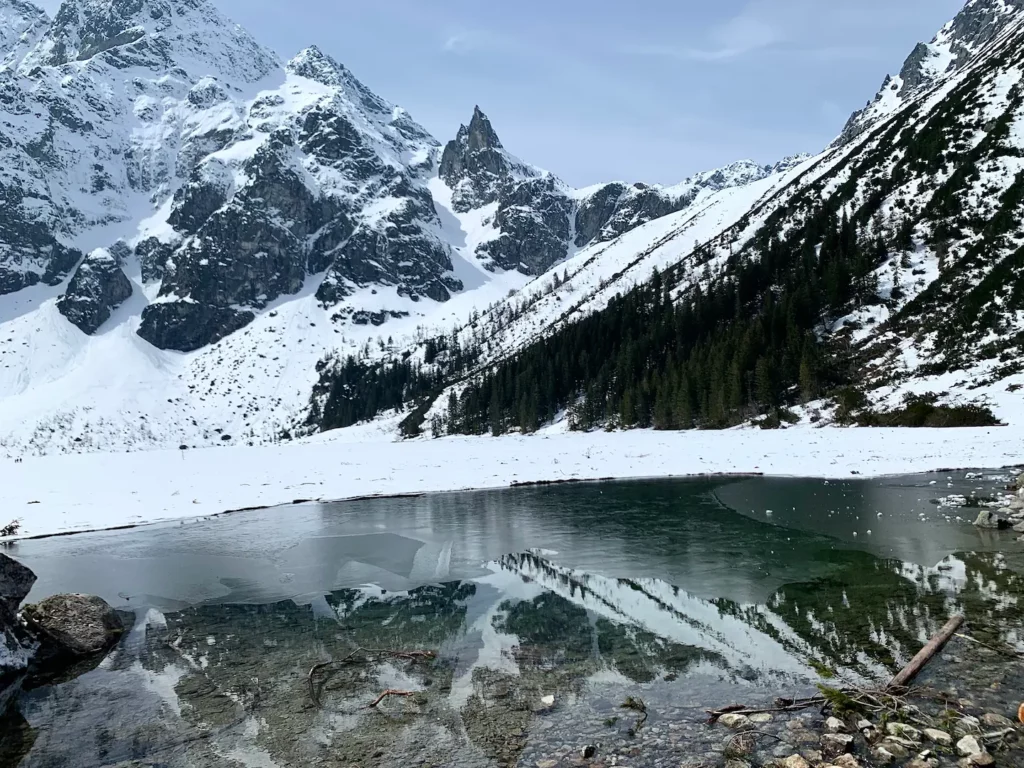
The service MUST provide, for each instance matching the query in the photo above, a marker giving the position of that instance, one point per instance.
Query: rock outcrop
(953, 48)
(17, 646)
(184, 326)
(99, 286)
(16, 582)
(476, 166)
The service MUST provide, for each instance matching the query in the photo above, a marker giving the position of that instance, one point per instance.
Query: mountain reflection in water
(649, 589)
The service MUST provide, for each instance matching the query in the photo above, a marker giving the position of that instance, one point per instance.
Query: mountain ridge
(246, 226)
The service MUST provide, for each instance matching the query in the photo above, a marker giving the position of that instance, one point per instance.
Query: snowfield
(82, 492)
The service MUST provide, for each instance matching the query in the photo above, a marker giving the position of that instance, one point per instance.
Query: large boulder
(97, 289)
(16, 582)
(73, 626)
(989, 519)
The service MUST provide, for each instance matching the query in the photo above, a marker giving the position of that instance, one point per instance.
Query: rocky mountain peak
(190, 34)
(314, 64)
(978, 24)
(480, 134)
(476, 166)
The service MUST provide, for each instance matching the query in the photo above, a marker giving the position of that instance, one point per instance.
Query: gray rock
(17, 649)
(98, 287)
(836, 744)
(16, 582)
(990, 520)
(902, 730)
(835, 725)
(969, 746)
(894, 748)
(534, 218)
(475, 165)
(73, 625)
(994, 720)
(936, 736)
(188, 326)
(884, 755)
(735, 722)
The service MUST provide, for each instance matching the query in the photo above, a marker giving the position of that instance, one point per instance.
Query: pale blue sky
(595, 90)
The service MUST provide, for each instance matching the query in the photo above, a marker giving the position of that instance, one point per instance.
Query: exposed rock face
(476, 166)
(98, 287)
(321, 194)
(16, 645)
(73, 625)
(978, 24)
(534, 218)
(540, 219)
(16, 582)
(21, 24)
(186, 326)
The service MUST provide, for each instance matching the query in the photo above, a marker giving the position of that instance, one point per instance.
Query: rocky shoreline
(48, 640)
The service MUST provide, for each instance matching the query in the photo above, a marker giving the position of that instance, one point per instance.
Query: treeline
(357, 388)
(726, 350)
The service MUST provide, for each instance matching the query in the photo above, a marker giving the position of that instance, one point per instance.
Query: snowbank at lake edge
(81, 492)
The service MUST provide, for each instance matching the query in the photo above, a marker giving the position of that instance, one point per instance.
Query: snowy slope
(938, 180)
(191, 226)
(952, 49)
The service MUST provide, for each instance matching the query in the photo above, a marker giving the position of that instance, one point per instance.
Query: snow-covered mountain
(895, 255)
(190, 226)
(952, 49)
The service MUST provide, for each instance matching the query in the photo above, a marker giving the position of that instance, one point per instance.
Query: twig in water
(1002, 651)
(312, 685)
(389, 692)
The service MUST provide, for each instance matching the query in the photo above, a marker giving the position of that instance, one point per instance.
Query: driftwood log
(898, 683)
(925, 655)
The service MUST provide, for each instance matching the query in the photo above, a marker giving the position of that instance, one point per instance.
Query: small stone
(967, 725)
(734, 763)
(936, 736)
(741, 745)
(969, 746)
(918, 763)
(883, 755)
(835, 744)
(846, 761)
(735, 722)
(908, 744)
(761, 717)
(547, 764)
(984, 760)
(896, 749)
(835, 725)
(992, 720)
(795, 761)
(1019, 528)
(864, 724)
(548, 701)
(903, 731)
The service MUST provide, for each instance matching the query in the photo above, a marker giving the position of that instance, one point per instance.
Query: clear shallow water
(688, 593)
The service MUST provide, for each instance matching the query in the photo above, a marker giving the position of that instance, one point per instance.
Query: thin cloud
(774, 26)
